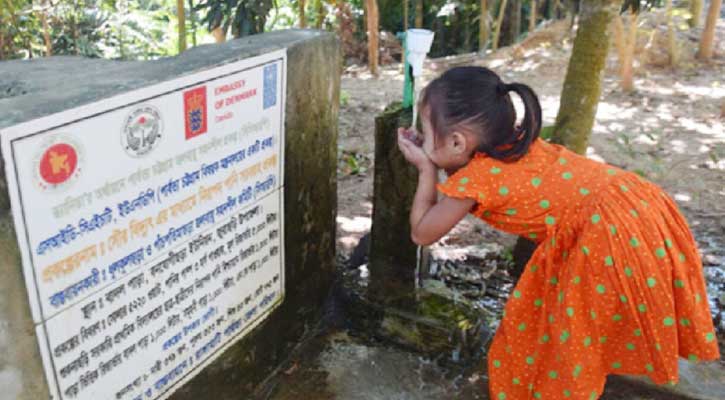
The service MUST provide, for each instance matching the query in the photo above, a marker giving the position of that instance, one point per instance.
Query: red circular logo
(58, 163)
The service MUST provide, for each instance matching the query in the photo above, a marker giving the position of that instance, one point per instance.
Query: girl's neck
(451, 171)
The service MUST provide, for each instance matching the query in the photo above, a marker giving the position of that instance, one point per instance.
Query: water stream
(415, 107)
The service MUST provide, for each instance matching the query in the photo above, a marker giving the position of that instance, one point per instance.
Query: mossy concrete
(392, 252)
(40, 87)
(431, 323)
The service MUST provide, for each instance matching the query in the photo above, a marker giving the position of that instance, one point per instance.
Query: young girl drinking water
(615, 285)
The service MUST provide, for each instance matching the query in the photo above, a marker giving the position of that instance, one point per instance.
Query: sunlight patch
(354, 224)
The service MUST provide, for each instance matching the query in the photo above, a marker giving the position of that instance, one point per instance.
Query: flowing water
(415, 107)
(419, 258)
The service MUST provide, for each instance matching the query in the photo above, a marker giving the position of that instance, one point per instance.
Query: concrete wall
(36, 88)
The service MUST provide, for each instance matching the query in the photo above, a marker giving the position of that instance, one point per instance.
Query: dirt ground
(671, 130)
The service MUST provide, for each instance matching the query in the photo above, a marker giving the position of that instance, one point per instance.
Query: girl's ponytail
(530, 126)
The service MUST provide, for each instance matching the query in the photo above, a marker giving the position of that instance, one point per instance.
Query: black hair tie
(502, 88)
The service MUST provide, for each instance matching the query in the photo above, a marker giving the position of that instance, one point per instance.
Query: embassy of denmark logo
(195, 112)
(141, 131)
(57, 163)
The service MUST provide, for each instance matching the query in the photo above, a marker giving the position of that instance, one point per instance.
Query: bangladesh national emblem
(141, 131)
(57, 163)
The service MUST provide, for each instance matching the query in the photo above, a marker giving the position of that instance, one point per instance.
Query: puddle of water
(477, 273)
(712, 248)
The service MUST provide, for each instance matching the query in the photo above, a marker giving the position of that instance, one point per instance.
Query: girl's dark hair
(475, 98)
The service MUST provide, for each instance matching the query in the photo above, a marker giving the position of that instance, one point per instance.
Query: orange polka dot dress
(615, 285)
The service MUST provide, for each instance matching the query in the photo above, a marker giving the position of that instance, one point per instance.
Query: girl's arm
(430, 219)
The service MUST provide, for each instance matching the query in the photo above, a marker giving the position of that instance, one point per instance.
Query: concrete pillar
(392, 253)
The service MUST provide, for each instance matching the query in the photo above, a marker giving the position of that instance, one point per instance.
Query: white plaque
(150, 226)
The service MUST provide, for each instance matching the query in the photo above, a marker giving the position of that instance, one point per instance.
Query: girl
(615, 285)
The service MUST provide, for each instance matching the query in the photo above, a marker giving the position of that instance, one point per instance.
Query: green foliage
(117, 29)
(244, 17)
(17, 27)
(355, 164)
(344, 98)
(507, 255)
(146, 29)
(455, 22)
(80, 29)
(283, 16)
(547, 132)
(641, 172)
(716, 154)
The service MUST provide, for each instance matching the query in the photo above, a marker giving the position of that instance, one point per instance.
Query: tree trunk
(672, 49)
(695, 13)
(466, 16)
(454, 29)
(582, 84)
(371, 8)
(320, 6)
(515, 20)
(511, 27)
(11, 33)
(418, 13)
(499, 21)
(10, 45)
(550, 10)
(2, 40)
(406, 9)
(301, 11)
(620, 40)
(220, 35)
(708, 34)
(627, 67)
(181, 17)
(192, 17)
(46, 29)
(29, 48)
(441, 35)
(27, 43)
(570, 14)
(483, 26)
(532, 17)
(122, 9)
(74, 33)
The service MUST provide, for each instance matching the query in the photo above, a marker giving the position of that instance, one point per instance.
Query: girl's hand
(412, 151)
(412, 135)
